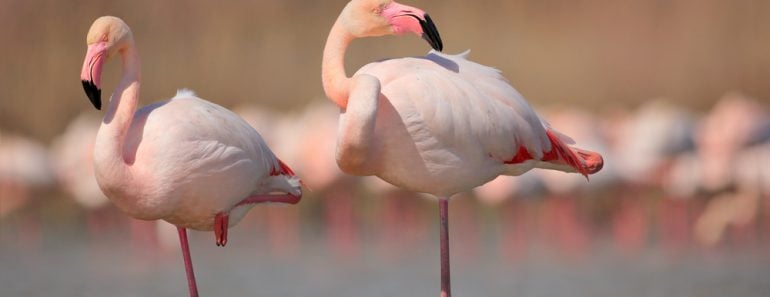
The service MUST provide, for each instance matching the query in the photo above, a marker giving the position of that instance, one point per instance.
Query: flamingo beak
(405, 18)
(430, 33)
(91, 74)
(94, 93)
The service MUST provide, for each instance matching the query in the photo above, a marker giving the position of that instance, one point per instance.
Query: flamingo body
(451, 124)
(192, 159)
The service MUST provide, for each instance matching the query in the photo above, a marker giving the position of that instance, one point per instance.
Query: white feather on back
(488, 109)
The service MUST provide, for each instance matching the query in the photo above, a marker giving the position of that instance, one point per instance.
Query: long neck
(335, 81)
(117, 120)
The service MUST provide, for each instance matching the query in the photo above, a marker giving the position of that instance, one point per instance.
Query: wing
(202, 150)
(463, 104)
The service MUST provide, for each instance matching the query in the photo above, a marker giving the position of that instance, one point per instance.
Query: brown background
(600, 54)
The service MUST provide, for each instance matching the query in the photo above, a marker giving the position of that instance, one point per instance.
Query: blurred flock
(673, 93)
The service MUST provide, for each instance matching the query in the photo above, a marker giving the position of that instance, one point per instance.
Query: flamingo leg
(446, 290)
(191, 285)
(285, 198)
(222, 219)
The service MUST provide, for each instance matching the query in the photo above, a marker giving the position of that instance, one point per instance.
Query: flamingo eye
(104, 37)
(379, 8)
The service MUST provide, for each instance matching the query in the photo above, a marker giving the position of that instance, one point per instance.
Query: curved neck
(120, 113)
(335, 81)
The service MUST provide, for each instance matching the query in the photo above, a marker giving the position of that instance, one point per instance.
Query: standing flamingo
(733, 128)
(72, 156)
(24, 167)
(562, 221)
(438, 124)
(187, 161)
(25, 171)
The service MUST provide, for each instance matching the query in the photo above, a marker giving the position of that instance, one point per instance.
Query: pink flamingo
(24, 167)
(647, 144)
(647, 140)
(438, 124)
(736, 123)
(567, 229)
(680, 185)
(72, 156)
(25, 171)
(515, 195)
(316, 154)
(753, 179)
(280, 224)
(187, 161)
(403, 223)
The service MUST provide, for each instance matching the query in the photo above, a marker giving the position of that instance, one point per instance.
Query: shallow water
(60, 258)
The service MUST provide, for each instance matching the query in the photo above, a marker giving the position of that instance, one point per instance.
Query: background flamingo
(645, 145)
(72, 157)
(24, 167)
(563, 221)
(316, 153)
(186, 160)
(592, 55)
(25, 171)
(513, 198)
(735, 124)
(438, 124)
(281, 224)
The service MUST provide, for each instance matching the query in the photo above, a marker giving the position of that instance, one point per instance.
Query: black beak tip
(94, 94)
(430, 33)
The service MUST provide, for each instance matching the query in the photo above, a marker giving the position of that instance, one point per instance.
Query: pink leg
(187, 262)
(446, 290)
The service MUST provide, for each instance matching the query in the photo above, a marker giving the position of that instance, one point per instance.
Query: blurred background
(673, 93)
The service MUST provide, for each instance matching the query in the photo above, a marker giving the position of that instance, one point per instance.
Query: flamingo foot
(221, 222)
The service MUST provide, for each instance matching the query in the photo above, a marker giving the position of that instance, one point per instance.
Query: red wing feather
(584, 162)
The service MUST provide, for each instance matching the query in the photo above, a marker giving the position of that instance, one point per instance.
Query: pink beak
(91, 74)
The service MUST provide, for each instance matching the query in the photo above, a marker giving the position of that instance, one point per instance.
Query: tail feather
(285, 170)
(583, 161)
(282, 169)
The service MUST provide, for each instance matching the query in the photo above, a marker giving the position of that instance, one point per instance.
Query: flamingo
(25, 171)
(646, 145)
(681, 185)
(72, 155)
(24, 167)
(647, 141)
(316, 152)
(438, 124)
(562, 221)
(282, 224)
(187, 161)
(515, 197)
(726, 138)
(72, 159)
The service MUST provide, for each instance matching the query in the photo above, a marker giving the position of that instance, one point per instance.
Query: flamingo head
(369, 18)
(107, 35)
